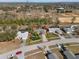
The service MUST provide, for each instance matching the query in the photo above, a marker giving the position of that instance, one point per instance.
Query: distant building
(60, 10)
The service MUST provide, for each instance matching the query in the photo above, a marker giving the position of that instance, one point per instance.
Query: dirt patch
(8, 46)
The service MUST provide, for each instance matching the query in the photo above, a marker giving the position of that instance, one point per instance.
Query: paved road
(51, 49)
(33, 47)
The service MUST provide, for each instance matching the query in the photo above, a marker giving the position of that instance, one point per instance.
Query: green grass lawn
(31, 42)
(51, 36)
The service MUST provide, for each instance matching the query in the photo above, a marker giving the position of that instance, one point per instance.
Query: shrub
(35, 36)
(7, 36)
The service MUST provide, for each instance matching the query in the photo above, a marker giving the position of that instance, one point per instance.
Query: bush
(13, 27)
(50, 35)
(36, 21)
(35, 36)
(7, 36)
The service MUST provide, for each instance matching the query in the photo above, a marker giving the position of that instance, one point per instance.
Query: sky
(39, 0)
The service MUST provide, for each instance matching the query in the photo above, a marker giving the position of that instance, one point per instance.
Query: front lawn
(31, 42)
(34, 38)
(51, 36)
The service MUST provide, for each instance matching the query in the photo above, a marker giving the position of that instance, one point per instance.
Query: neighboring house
(74, 27)
(22, 35)
(42, 33)
(70, 29)
(54, 30)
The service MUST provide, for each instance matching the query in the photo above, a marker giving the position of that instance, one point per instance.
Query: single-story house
(54, 30)
(22, 35)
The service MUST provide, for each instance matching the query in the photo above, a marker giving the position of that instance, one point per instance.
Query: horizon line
(39, 2)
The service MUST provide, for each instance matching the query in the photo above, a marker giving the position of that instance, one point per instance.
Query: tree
(45, 9)
(73, 19)
(7, 36)
(56, 21)
(14, 27)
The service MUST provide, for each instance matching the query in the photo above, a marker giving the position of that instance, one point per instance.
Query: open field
(9, 46)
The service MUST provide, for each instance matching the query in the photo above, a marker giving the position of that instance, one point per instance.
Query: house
(54, 30)
(70, 29)
(22, 35)
(60, 10)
